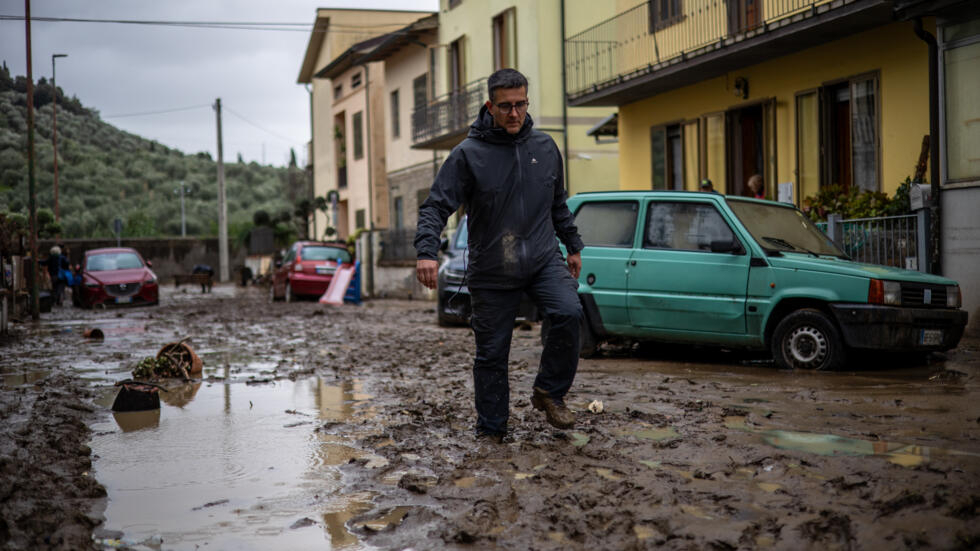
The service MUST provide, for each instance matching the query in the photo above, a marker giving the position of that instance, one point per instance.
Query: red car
(117, 275)
(307, 269)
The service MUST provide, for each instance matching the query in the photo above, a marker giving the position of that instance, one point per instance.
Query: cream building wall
(356, 195)
(401, 70)
(410, 171)
(336, 30)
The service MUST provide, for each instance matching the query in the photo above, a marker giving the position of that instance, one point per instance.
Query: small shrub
(853, 203)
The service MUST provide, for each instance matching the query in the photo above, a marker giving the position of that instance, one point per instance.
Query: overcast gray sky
(122, 69)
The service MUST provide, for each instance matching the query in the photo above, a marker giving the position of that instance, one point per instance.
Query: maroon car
(307, 269)
(116, 275)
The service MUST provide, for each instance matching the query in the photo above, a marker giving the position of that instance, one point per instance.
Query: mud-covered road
(693, 450)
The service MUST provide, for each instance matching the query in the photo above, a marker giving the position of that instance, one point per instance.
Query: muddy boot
(492, 437)
(557, 414)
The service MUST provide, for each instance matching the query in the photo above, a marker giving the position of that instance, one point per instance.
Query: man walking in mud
(510, 180)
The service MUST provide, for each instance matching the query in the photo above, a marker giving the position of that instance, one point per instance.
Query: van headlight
(954, 299)
(885, 292)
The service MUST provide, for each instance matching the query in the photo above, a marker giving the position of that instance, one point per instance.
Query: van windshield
(779, 228)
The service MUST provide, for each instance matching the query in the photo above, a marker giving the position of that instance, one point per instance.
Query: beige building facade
(347, 116)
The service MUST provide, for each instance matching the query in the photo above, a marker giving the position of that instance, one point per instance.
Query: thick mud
(692, 450)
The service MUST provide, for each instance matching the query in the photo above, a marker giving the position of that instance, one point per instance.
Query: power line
(174, 110)
(236, 25)
(266, 130)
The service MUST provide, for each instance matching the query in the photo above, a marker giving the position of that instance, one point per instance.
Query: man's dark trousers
(554, 291)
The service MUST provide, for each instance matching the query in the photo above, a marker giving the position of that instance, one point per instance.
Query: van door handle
(632, 263)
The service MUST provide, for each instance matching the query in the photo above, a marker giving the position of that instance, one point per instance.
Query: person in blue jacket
(58, 268)
(509, 178)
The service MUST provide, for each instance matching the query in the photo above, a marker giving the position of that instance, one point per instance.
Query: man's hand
(427, 271)
(574, 264)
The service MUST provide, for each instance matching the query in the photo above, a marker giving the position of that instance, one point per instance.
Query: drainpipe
(370, 162)
(564, 102)
(309, 90)
(936, 266)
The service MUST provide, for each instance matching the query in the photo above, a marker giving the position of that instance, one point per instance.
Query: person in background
(756, 186)
(206, 270)
(707, 186)
(57, 266)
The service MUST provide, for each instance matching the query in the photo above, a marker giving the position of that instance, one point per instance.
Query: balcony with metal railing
(443, 122)
(660, 45)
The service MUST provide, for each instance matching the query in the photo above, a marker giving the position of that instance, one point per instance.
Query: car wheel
(289, 292)
(808, 339)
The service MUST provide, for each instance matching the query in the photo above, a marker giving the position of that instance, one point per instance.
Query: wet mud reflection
(906, 455)
(233, 465)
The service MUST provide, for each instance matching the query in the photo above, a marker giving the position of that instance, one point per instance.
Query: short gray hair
(505, 78)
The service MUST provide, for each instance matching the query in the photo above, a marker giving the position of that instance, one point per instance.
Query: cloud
(123, 69)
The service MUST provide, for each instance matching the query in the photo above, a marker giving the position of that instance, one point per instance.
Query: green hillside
(105, 173)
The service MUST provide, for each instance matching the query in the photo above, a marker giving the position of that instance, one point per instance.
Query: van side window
(684, 226)
(607, 223)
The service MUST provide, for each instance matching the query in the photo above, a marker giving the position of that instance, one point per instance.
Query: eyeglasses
(506, 108)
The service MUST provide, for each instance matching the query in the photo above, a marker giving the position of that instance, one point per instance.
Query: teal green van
(704, 268)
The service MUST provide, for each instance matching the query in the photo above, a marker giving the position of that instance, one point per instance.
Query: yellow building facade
(477, 38)
(787, 90)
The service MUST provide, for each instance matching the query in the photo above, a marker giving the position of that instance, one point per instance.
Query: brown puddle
(23, 378)
(907, 455)
(233, 466)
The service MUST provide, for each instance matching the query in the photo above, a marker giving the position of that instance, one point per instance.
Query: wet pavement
(350, 427)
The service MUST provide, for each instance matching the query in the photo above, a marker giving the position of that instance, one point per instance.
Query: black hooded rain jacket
(512, 188)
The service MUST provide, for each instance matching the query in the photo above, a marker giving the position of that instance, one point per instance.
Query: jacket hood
(484, 129)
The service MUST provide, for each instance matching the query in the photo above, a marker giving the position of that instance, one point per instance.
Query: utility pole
(182, 190)
(222, 206)
(54, 134)
(31, 192)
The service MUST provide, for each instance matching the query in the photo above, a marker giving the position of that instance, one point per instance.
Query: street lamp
(182, 190)
(54, 134)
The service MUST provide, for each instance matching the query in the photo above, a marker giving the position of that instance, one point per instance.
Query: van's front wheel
(808, 339)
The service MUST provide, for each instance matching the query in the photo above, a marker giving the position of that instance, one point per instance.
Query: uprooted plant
(174, 360)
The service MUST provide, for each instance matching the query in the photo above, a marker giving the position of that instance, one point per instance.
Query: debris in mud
(830, 530)
(95, 334)
(174, 360)
(477, 523)
(210, 504)
(947, 376)
(596, 406)
(414, 483)
(388, 520)
(136, 396)
(905, 499)
(302, 523)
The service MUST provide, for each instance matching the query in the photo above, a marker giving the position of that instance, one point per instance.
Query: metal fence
(397, 244)
(449, 113)
(641, 41)
(899, 241)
